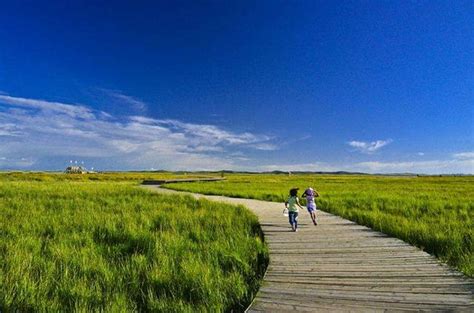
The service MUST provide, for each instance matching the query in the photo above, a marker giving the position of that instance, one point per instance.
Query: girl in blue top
(310, 194)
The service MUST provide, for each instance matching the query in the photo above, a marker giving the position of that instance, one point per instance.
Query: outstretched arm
(316, 194)
(298, 203)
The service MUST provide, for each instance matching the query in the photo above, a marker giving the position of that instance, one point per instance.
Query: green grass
(100, 246)
(433, 213)
(105, 176)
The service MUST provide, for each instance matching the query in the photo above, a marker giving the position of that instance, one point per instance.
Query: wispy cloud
(52, 130)
(369, 147)
(76, 111)
(265, 146)
(213, 134)
(9, 129)
(446, 166)
(307, 167)
(464, 155)
(135, 103)
(37, 133)
(16, 163)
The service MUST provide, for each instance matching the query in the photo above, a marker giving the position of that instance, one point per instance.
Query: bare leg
(313, 217)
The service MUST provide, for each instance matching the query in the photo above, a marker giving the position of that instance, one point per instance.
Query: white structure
(74, 169)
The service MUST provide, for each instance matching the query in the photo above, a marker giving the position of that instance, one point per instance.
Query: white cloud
(265, 146)
(302, 167)
(128, 100)
(53, 130)
(9, 129)
(464, 155)
(77, 111)
(369, 147)
(433, 166)
(16, 163)
(213, 134)
(46, 133)
(448, 166)
(421, 153)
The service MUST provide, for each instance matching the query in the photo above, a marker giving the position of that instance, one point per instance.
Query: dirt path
(341, 266)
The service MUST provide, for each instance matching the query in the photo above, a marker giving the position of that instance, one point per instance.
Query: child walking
(292, 204)
(310, 194)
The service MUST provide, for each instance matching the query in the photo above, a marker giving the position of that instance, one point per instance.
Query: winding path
(341, 266)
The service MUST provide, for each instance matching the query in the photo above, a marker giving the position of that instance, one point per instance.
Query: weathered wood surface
(344, 267)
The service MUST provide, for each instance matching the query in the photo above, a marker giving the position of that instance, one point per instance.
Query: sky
(370, 86)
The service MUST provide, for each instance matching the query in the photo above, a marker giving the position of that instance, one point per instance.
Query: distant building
(75, 170)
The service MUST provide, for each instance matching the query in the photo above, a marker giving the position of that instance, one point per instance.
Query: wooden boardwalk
(344, 267)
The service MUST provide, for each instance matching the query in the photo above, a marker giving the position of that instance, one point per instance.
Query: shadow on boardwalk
(341, 266)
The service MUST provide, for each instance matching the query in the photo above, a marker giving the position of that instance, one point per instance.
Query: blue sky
(373, 86)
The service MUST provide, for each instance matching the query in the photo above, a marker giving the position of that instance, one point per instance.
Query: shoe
(315, 224)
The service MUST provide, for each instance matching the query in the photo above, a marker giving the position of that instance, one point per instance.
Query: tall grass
(433, 213)
(88, 246)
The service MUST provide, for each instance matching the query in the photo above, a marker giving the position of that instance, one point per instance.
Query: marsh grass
(98, 246)
(433, 213)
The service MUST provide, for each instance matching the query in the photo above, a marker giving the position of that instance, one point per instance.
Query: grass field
(106, 176)
(101, 246)
(434, 213)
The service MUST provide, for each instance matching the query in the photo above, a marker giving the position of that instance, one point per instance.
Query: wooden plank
(370, 295)
(289, 305)
(371, 282)
(416, 289)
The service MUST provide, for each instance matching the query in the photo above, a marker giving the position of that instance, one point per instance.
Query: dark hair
(294, 192)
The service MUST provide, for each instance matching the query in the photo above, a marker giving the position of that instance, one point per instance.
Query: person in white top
(310, 194)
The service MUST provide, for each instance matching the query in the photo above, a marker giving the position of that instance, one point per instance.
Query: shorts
(311, 207)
